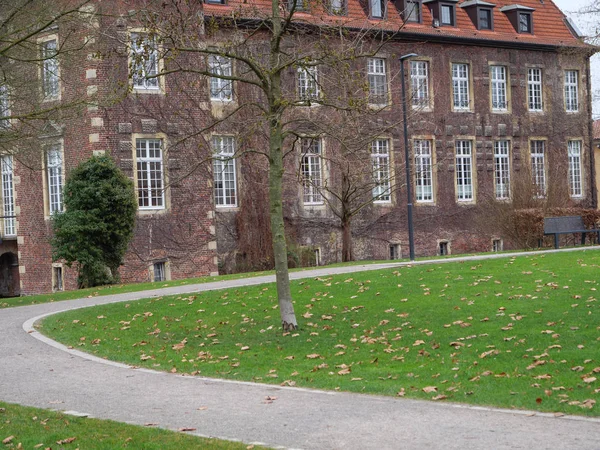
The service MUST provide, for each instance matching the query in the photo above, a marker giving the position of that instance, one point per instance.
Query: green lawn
(29, 428)
(512, 332)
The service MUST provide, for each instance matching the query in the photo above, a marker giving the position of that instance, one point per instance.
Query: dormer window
(377, 9)
(411, 11)
(443, 12)
(521, 17)
(524, 22)
(480, 13)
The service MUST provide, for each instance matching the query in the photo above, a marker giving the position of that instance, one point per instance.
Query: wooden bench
(567, 225)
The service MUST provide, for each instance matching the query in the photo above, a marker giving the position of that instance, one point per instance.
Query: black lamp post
(409, 205)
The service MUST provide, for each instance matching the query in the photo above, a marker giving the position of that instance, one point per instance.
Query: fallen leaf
(202, 408)
(401, 393)
(244, 348)
(313, 356)
(8, 440)
(187, 429)
(344, 371)
(589, 379)
(430, 389)
(66, 441)
(439, 397)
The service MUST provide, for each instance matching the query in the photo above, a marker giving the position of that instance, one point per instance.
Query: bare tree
(265, 66)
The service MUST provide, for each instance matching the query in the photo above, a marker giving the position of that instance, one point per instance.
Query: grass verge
(24, 428)
(513, 332)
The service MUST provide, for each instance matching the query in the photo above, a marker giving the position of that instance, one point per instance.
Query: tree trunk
(276, 170)
(347, 247)
(284, 294)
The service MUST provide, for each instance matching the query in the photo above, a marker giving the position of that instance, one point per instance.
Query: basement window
(160, 272)
(443, 248)
(395, 251)
(57, 278)
(497, 245)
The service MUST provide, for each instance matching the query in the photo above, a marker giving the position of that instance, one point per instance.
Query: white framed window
(460, 87)
(8, 196)
(498, 83)
(150, 173)
(377, 77)
(538, 167)
(447, 15)
(311, 170)
(534, 89)
(502, 169)
(4, 107)
(464, 171)
(525, 22)
(224, 171)
(337, 7)
(575, 177)
(308, 83)
(55, 178)
(423, 171)
(50, 70)
(221, 88)
(419, 82)
(380, 163)
(144, 62)
(571, 90)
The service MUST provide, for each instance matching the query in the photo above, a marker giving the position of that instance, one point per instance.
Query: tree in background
(94, 230)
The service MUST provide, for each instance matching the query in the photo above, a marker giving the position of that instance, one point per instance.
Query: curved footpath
(40, 372)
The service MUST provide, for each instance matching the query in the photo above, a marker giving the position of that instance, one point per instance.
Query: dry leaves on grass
(66, 441)
(430, 389)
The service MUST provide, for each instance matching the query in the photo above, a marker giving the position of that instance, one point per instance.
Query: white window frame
(8, 196)
(54, 178)
(311, 170)
(499, 88)
(412, 11)
(50, 69)
(221, 89)
(423, 154)
(461, 95)
(419, 82)
(538, 166)
(575, 169)
(308, 83)
(502, 169)
(377, 9)
(159, 268)
(572, 91)
(378, 83)
(150, 176)
(535, 96)
(224, 172)
(380, 164)
(4, 107)
(465, 186)
(451, 15)
(144, 62)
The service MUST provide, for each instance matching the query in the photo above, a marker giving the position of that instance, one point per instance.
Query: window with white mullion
(54, 173)
(144, 62)
(8, 197)
(423, 171)
(534, 87)
(221, 88)
(150, 177)
(460, 85)
(464, 171)
(308, 86)
(50, 83)
(502, 169)
(4, 107)
(380, 160)
(377, 77)
(538, 167)
(571, 91)
(224, 172)
(499, 91)
(311, 171)
(575, 182)
(419, 81)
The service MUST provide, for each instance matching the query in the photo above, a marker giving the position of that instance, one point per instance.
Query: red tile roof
(548, 21)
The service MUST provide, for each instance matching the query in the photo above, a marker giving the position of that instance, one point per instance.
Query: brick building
(499, 113)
